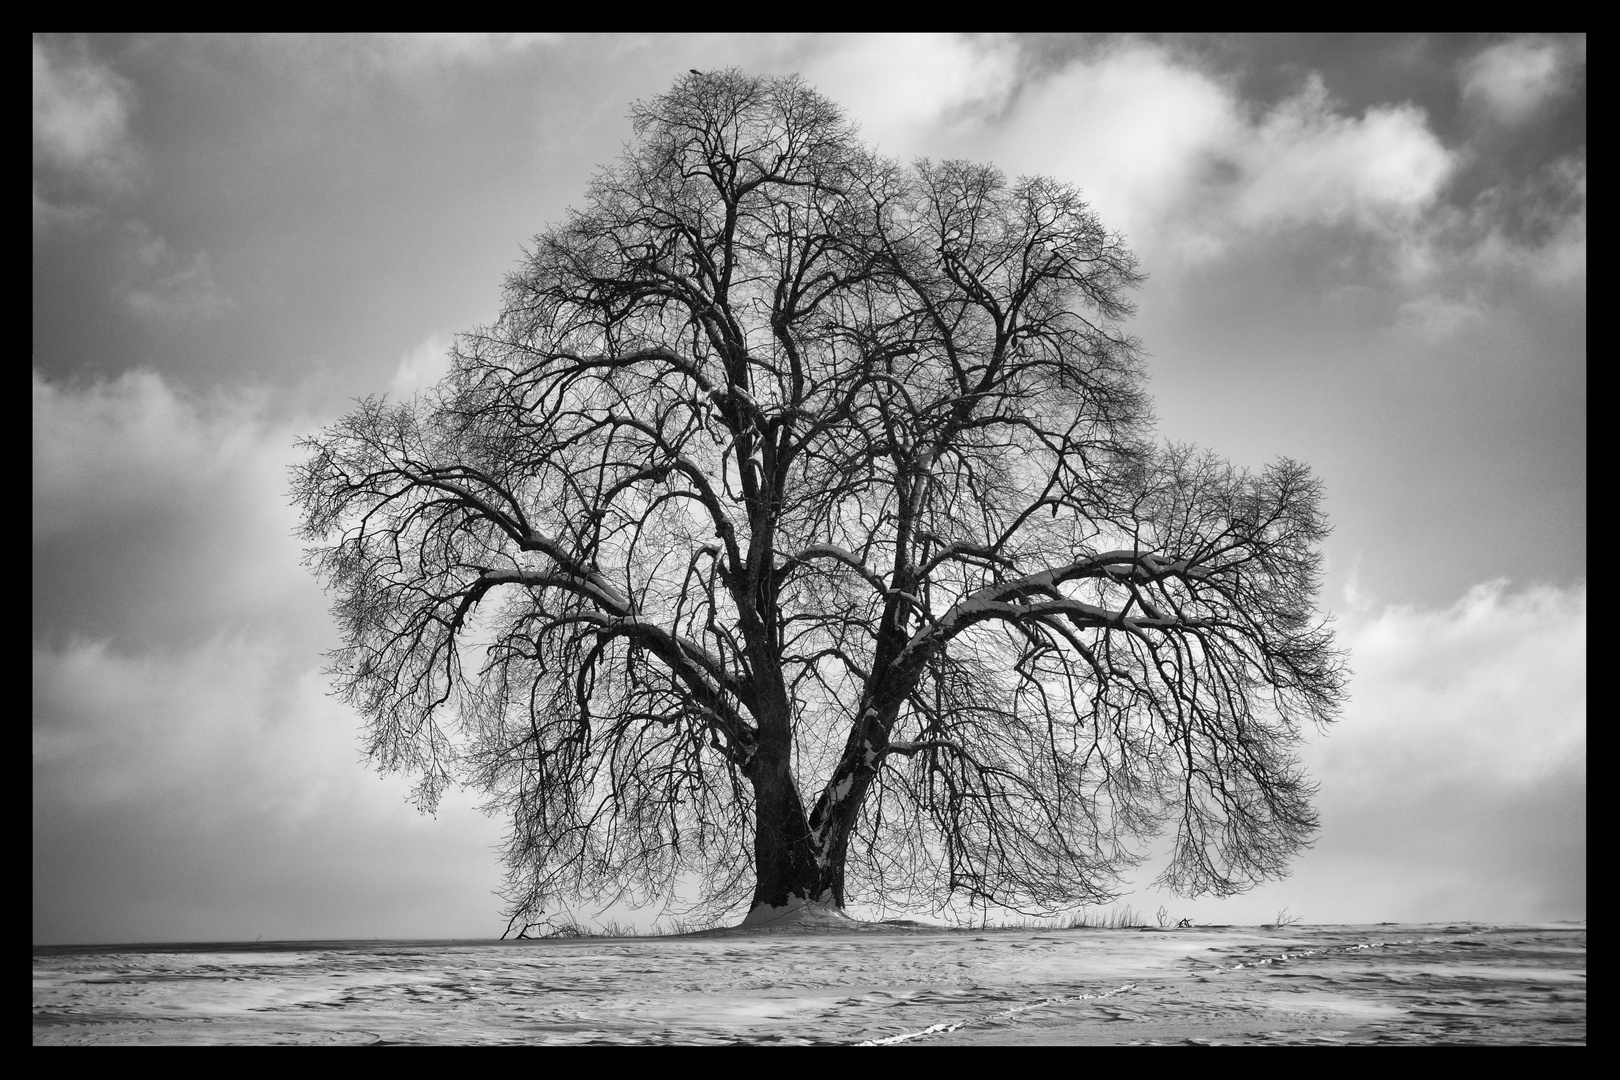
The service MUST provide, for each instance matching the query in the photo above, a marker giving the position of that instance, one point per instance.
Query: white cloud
(1308, 163)
(1173, 156)
(1511, 81)
(1454, 786)
(422, 366)
(1133, 128)
(1490, 692)
(81, 113)
(908, 85)
(82, 149)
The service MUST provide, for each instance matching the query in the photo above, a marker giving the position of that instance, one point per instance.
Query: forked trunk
(799, 860)
(790, 869)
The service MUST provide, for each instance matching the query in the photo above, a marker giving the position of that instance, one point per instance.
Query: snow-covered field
(849, 984)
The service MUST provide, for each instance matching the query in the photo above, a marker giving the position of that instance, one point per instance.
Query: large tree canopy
(798, 527)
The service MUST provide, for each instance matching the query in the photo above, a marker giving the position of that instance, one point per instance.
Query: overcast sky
(1365, 253)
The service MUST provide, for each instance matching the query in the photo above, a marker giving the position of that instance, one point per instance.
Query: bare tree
(798, 527)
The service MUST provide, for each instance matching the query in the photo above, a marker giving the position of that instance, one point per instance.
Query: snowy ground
(847, 984)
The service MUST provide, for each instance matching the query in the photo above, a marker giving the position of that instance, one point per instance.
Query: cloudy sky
(1368, 254)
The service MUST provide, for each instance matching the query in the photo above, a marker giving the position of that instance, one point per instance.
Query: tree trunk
(837, 832)
(832, 822)
(787, 870)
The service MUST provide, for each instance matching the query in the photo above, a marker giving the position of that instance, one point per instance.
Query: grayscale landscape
(666, 539)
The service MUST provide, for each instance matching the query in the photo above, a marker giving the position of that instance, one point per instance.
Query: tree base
(819, 913)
